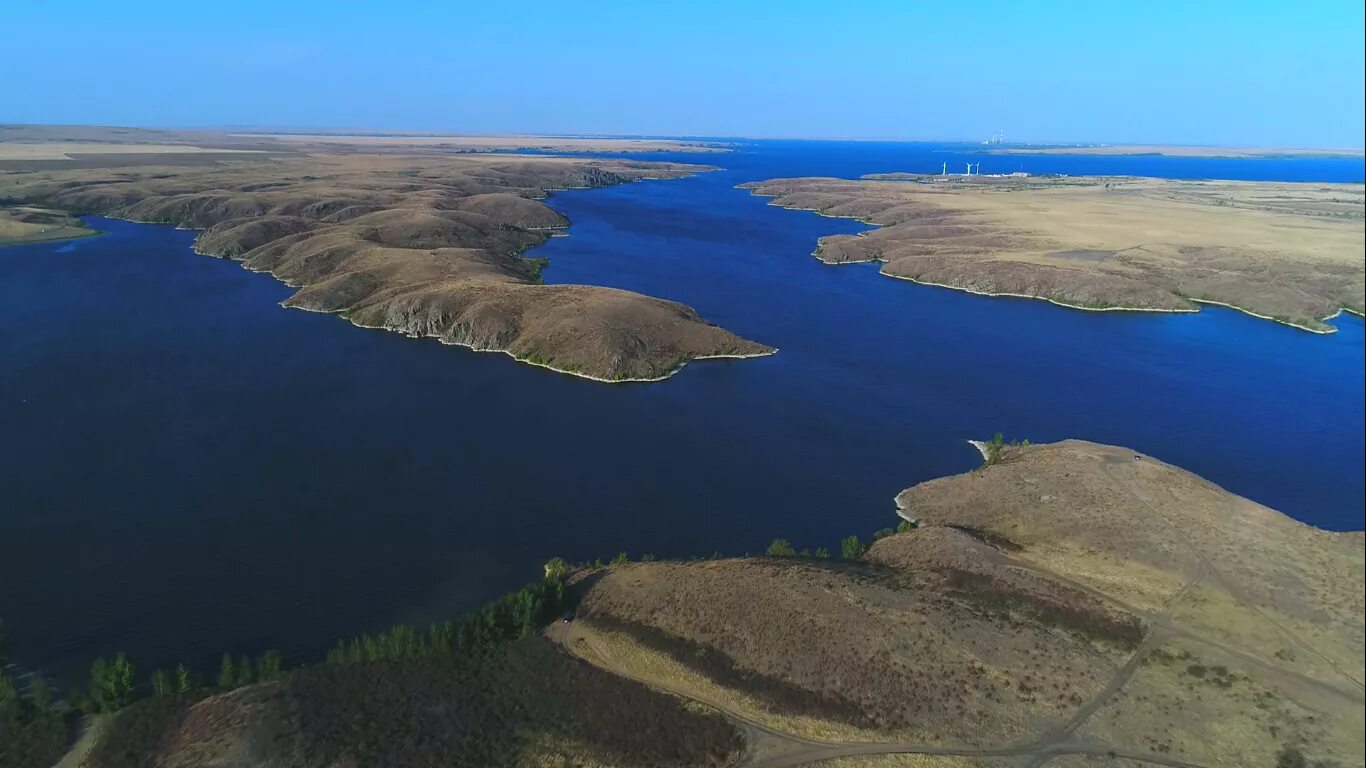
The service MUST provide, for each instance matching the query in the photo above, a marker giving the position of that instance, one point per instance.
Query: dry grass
(1193, 702)
(401, 142)
(529, 705)
(1289, 252)
(62, 150)
(620, 651)
(912, 761)
(1073, 593)
(905, 656)
(25, 224)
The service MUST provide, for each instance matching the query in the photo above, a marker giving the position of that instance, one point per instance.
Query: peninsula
(1283, 251)
(428, 243)
(1067, 604)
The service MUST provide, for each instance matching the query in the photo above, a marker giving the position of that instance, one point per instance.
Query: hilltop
(1073, 602)
(1283, 251)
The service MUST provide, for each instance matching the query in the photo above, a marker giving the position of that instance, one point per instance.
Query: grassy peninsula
(1282, 251)
(1065, 604)
(425, 244)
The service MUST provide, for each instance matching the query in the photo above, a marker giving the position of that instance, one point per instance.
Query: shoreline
(902, 510)
(549, 232)
(816, 255)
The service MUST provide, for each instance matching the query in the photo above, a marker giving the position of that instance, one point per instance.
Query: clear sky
(1239, 73)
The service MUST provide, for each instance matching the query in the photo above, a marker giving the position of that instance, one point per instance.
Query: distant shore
(1177, 151)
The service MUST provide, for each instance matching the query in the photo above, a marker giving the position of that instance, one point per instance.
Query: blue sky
(1246, 73)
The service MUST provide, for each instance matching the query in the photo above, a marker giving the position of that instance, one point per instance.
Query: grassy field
(28, 224)
(1288, 252)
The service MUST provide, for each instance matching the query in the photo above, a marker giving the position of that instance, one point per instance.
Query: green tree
(904, 526)
(39, 694)
(161, 684)
(246, 673)
(822, 553)
(555, 568)
(183, 682)
(226, 678)
(111, 683)
(993, 450)
(780, 548)
(620, 559)
(883, 533)
(272, 665)
(852, 549)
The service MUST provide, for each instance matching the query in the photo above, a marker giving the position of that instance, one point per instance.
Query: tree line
(34, 725)
(851, 547)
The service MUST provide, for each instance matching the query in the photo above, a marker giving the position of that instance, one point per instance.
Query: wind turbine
(969, 173)
(944, 171)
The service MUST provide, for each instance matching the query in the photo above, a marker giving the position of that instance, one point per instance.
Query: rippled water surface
(186, 467)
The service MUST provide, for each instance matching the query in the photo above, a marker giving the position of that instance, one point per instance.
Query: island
(1291, 252)
(1068, 604)
(425, 243)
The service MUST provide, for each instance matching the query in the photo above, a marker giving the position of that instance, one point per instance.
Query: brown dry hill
(1075, 604)
(529, 705)
(424, 245)
(1289, 252)
(1071, 605)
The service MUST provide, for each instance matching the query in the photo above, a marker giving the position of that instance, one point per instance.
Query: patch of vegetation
(852, 549)
(992, 449)
(1093, 623)
(988, 537)
(510, 617)
(777, 695)
(501, 711)
(33, 731)
(780, 548)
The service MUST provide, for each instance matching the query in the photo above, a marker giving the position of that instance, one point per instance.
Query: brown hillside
(425, 246)
(1073, 600)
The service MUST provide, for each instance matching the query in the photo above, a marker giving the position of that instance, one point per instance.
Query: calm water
(186, 467)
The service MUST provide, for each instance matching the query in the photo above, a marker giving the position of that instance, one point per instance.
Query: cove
(188, 468)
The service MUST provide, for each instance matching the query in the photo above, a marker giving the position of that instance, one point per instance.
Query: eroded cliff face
(425, 246)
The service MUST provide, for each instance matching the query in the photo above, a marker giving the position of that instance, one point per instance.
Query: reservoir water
(188, 468)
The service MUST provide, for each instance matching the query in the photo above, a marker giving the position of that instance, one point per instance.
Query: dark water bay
(187, 468)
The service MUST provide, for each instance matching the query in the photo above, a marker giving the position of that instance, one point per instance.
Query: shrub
(226, 677)
(271, 666)
(111, 683)
(852, 549)
(993, 450)
(780, 548)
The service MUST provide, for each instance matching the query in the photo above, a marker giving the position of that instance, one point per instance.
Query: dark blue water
(187, 468)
